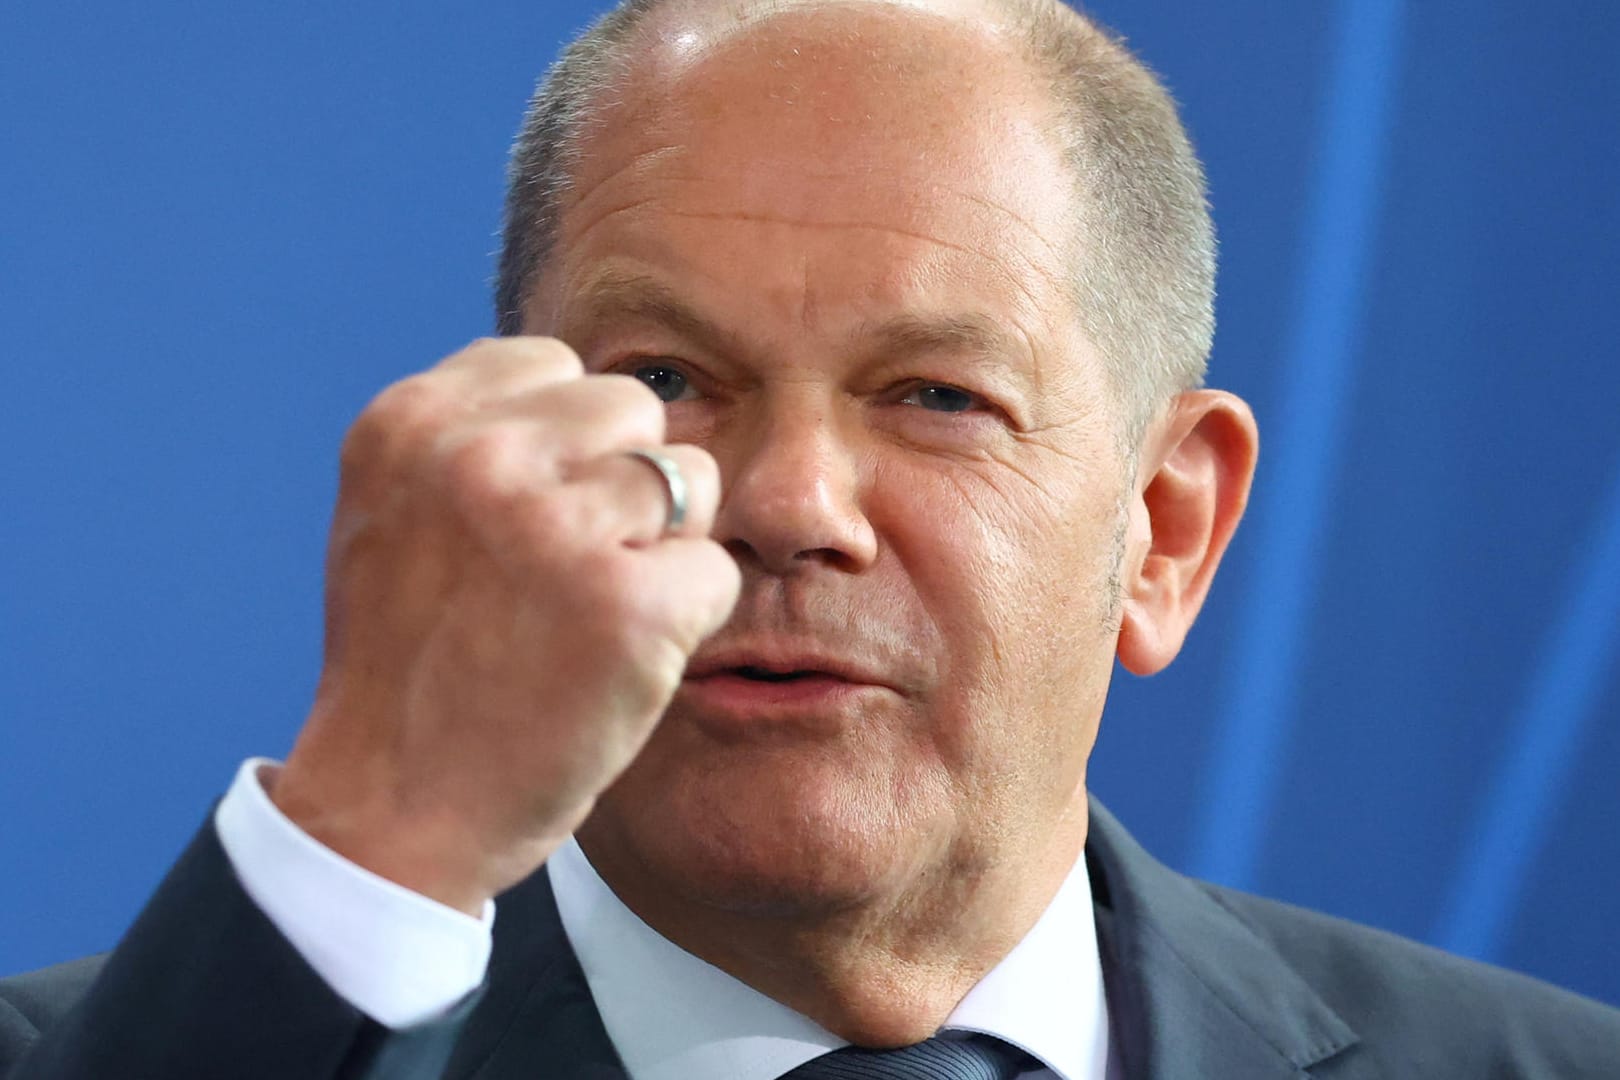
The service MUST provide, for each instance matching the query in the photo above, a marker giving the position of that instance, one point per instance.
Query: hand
(506, 617)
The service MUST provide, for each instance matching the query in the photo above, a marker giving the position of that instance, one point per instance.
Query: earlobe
(1196, 467)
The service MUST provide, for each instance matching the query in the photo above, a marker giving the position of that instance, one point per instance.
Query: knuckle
(549, 354)
(556, 524)
(702, 469)
(559, 353)
(401, 413)
(634, 404)
(626, 388)
(554, 355)
(481, 462)
(490, 480)
(471, 355)
(477, 346)
(417, 400)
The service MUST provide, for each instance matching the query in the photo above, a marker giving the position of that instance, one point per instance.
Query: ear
(1193, 479)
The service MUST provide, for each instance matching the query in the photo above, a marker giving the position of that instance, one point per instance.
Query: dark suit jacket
(1202, 983)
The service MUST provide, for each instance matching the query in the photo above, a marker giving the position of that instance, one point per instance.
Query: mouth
(767, 675)
(780, 665)
(744, 694)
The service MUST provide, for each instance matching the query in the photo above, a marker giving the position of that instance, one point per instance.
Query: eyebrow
(973, 334)
(614, 295)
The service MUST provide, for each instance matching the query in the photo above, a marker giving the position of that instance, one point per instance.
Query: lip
(783, 659)
(731, 692)
(831, 694)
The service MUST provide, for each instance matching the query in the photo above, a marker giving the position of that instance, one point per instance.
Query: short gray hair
(1144, 268)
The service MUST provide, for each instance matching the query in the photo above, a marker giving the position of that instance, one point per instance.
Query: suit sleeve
(203, 985)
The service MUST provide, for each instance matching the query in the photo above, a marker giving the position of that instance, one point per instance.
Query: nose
(793, 497)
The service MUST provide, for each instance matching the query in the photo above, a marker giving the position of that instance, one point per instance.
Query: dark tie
(982, 1057)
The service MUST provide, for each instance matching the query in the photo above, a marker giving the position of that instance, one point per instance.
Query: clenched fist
(507, 616)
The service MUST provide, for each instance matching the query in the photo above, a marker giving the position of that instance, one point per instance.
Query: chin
(778, 832)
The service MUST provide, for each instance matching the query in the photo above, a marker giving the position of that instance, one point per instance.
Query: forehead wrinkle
(872, 226)
(1021, 287)
(613, 293)
(1031, 264)
(618, 286)
(696, 179)
(1036, 233)
(579, 195)
(809, 309)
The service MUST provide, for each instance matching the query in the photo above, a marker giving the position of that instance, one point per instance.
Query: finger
(418, 411)
(543, 437)
(626, 498)
(588, 417)
(493, 369)
(706, 584)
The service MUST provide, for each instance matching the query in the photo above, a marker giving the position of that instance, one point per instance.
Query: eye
(937, 397)
(665, 381)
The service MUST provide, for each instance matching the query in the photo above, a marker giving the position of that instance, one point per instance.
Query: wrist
(432, 857)
(449, 857)
(353, 927)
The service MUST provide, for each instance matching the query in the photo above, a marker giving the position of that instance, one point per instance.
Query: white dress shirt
(392, 953)
(402, 959)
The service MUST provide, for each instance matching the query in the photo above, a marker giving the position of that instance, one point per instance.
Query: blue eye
(665, 381)
(937, 398)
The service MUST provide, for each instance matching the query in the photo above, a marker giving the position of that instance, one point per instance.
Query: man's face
(837, 242)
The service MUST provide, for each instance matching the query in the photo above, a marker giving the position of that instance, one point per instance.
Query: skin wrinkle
(674, 38)
(867, 880)
(807, 305)
(613, 295)
(582, 197)
(605, 215)
(1052, 249)
(776, 219)
(605, 280)
(606, 306)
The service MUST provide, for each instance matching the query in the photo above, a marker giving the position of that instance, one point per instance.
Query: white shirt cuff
(392, 953)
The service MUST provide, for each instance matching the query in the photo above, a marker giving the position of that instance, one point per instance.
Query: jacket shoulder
(32, 1002)
(1468, 1018)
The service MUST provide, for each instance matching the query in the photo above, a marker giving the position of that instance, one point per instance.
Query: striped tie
(982, 1057)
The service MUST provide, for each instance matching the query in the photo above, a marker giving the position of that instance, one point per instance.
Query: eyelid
(697, 383)
(631, 362)
(981, 401)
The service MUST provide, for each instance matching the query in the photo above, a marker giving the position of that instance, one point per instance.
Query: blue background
(224, 227)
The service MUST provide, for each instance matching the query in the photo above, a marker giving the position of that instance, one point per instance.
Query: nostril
(740, 551)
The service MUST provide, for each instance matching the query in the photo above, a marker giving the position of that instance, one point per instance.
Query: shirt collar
(672, 1016)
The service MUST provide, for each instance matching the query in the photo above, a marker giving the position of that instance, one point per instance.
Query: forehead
(919, 139)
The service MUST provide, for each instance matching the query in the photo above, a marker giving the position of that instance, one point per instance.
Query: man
(750, 646)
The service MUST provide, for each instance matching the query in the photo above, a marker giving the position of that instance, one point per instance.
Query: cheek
(1014, 586)
(1015, 575)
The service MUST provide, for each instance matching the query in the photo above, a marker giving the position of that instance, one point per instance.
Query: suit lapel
(1192, 991)
(537, 1018)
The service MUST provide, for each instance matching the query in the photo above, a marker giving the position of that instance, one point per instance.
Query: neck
(886, 971)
